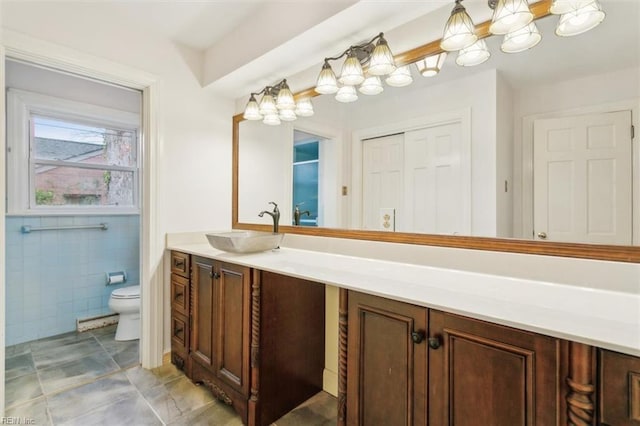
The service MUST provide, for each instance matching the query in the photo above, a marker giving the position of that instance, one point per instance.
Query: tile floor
(90, 379)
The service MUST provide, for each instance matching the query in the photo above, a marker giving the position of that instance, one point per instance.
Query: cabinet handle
(417, 336)
(178, 263)
(178, 296)
(214, 275)
(177, 331)
(434, 342)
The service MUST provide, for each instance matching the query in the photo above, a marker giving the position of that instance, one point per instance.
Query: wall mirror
(450, 160)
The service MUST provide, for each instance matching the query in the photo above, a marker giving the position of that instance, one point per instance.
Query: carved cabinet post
(580, 406)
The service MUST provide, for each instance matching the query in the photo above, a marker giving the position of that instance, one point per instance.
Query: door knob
(542, 235)
(417, 336)
(434, 342)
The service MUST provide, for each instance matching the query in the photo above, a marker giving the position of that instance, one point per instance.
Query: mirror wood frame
(574, 250)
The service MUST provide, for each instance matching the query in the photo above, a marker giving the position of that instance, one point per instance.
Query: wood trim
(629, 254)
(254, 397)
(580, 400)
(634, 396)
(343, 317)
(574, 250)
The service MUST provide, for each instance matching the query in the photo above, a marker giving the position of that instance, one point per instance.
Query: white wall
(265, 171)
(504, 159)
(41, 80)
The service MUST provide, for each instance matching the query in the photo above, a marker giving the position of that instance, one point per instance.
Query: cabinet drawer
(619, 389)
(179, 333)
(180, 264)
(180, 294)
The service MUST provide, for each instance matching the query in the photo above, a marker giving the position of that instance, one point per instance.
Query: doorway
(583, 174)
(151, 242)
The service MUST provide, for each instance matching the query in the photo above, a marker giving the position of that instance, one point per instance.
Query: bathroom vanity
(252, 337)
(417, 345)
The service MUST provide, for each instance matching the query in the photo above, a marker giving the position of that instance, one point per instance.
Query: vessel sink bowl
(245, 241)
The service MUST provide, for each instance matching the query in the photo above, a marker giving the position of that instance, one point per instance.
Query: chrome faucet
(297, 213)
(275, 215)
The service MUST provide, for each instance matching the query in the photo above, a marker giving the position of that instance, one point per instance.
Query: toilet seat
(131, 292)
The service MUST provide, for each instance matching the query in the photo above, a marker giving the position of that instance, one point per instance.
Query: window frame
(21, 106)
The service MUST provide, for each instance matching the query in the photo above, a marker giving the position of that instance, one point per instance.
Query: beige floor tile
(174, 399)
(132, 411)
(33, 412)
(83, 399)
(212, 414)
(22, 389)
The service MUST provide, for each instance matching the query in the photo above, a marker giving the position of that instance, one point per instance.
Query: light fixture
(277, 104)
(510, 15)
(522, 39)
(271, 119)
(352, 73)
(267, 104)
(558, 7)
(287, 115)
(252, 110)
(431, 65)
(366, 63)
(473, 55)
(304, 107)
(374, 56)
(371, 86)
(381, 61)
(284, 100)
(327, 83)
(347, 94)
(582, 16)
(459, 31)
(400, 77)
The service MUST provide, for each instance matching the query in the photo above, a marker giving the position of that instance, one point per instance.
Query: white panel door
(583, 178)
(436, 196)
(382, 179)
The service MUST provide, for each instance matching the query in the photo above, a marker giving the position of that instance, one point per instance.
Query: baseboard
(85, 324)
(330, 382)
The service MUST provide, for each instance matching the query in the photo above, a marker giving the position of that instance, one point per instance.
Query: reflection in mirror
(535, 145)
(306, 178)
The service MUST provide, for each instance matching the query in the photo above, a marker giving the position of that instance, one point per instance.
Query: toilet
(126, 302)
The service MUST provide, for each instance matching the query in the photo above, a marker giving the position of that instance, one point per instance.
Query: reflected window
(306, 161)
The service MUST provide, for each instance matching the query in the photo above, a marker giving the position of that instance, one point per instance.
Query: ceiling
(239, 56)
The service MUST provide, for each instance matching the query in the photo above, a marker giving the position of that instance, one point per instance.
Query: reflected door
(583, 178)
(382, 181)
(418, 175)
(435, 194)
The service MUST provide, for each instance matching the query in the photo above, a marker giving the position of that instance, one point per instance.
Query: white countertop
(602, 318)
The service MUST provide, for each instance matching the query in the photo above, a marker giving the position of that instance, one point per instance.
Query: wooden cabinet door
(619, 389)
(202, 311)
(386, 370)
(486, 374)
(231, 323)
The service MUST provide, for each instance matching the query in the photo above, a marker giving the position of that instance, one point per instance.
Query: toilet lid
(131, 292)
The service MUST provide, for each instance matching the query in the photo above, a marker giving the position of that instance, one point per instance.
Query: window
(69, 157)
